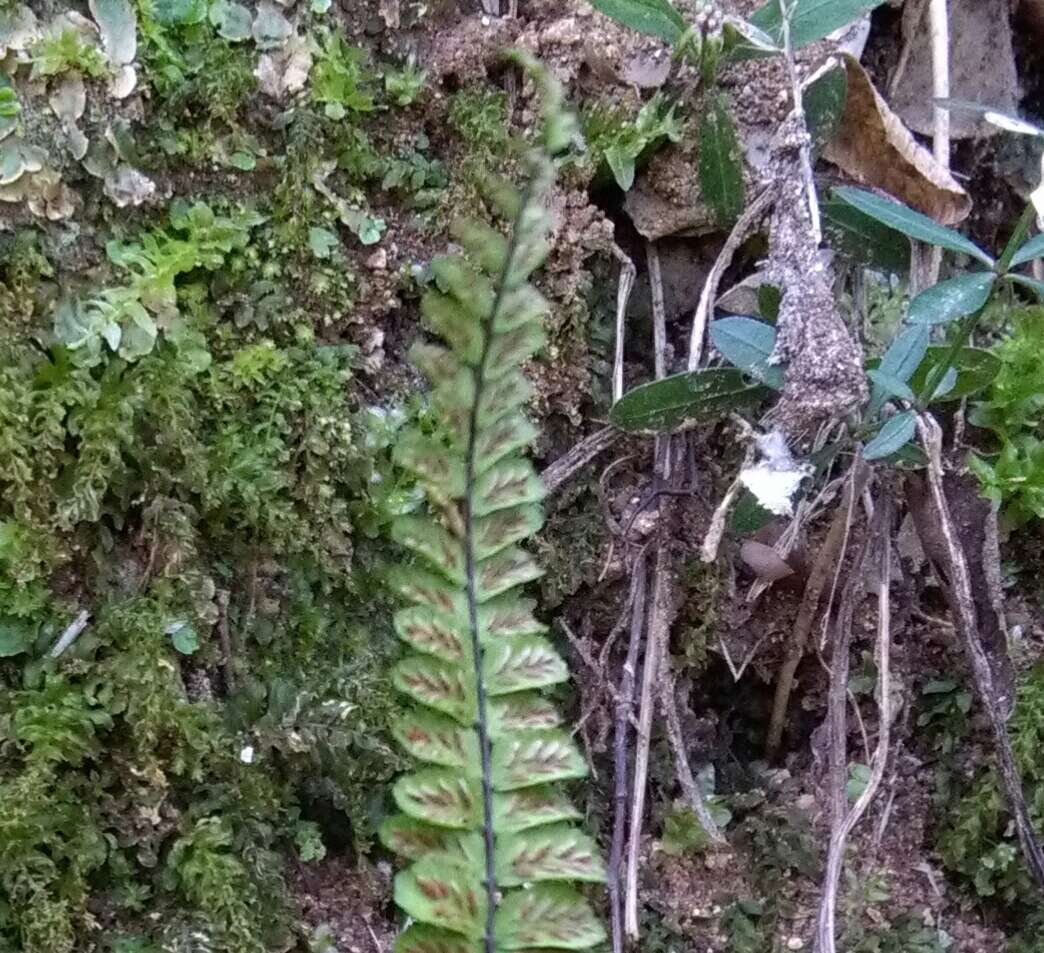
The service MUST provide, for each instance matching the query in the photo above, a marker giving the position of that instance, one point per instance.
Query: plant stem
(1018, 236)
(471, 569)
(939, 372)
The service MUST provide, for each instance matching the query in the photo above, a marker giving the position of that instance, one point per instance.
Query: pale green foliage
(341, 80)
(620, 141)
(126, 317)
(484, 815)
(64, 51)
(1014, 411)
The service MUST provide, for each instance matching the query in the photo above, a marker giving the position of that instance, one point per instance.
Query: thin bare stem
(623, 295)
(716, 528)
(682, 769)
(842, 827)
(565, 467)
(622, 715)
(831, 555)
(659, 312)
(741, 231)
(657, 623)
(654, 642)
(965, 619)
(940, 27)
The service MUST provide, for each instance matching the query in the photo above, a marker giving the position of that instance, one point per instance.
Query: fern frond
(489, 835)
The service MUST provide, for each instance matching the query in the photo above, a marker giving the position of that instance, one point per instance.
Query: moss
(66, 51)
(977, 841)
(478, 114)
(700, 614)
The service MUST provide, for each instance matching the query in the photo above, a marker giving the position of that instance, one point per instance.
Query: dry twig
(842, 824)
(566, 466)
(623, 295)
(962, 607)
(741, 231)
(698, 806)
(71, 634)
(940, 26)
(831, 555)
(622, 715)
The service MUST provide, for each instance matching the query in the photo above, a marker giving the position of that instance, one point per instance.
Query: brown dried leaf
(874, 147)
(765, 561)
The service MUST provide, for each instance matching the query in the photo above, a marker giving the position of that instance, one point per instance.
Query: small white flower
(247, 755)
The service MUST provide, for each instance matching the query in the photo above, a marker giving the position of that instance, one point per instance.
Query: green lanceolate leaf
(893, 436)
(436, 740)
(900, 361)
(975, 370)
(525, 711)
(652, 17)
(1034, 248)
(910, 223)
(411, 838)
(556, 852)
(532, 807)
(433, 632)
(812, 19)
(522, 662)
(547, 915)
(685, 400)
(505, 485)
(864, 239)
(720, 161)
(952, 299)
(892, 386)
(421, 938)
(504, 527)
(436, 684)
(440, 796)
(434, 543)
(1037, 287)
(748, 344)
(535, 757)
(443, 892)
